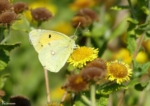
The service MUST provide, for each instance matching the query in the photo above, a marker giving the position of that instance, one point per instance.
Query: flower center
(118, 70)
(79, 80)
(81, 53)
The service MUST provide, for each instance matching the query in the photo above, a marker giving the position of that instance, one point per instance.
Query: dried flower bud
(97, 63)
(20, 7)
(76, 83)
(4, 5)
(94, 71)
(41, 14)
(84, 21)
(88, 12)
(20, 101)
(7, 17)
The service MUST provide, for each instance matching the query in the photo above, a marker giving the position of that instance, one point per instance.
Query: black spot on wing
(49, 36)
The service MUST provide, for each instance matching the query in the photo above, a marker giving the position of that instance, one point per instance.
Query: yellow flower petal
(118, 71)
(81, 55)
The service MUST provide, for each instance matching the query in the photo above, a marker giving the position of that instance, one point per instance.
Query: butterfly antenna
(77, 28)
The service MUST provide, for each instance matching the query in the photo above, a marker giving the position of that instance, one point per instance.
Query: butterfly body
(54, 48)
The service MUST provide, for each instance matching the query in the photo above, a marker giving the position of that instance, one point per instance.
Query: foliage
(106, 26)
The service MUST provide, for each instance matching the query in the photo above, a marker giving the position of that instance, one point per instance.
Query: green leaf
(145, 10)
(9, 47)
(133, 23)
(4, 58)
(3, 78)
(133, 82)
(148, 33)
(140, 69)
(119, 7)
(141, 28)
(22, 24)
(109, 88)
(131, 42)
(79, 103)
(119, 30)
(141, 86)
(103, 101)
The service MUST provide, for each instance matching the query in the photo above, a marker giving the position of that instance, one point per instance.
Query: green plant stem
(86, 100)
(92, 92)
(132, 9)
(8, 35)
(47, 86)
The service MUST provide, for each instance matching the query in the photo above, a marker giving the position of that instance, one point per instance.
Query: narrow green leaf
(133, 21)
(9, 47)
(119, 7)
(119, 30)
(145, 10)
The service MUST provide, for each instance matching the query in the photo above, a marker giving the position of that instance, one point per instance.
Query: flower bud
(41, 14)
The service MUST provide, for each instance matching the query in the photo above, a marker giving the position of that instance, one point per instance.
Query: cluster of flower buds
(9, 11)
(93, 72)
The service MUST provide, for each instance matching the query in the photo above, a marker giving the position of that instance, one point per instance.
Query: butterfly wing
(54, 55)
(53, 48)
(39, 38)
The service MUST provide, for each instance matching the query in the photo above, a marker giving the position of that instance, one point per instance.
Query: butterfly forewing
(39, 38)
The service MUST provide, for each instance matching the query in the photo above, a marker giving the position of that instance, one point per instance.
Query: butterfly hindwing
(54, 56)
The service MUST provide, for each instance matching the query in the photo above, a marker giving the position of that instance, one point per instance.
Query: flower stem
(64, 96)
(7, 37)
(92, 91)
(121, 98)
(47, 85)
(86, 100)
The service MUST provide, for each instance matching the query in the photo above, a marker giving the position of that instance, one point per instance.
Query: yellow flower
(118, 71)
(124, 55)
(142, 57)
(57, 93)
(64, 27)
(78, 4)
(81, 55)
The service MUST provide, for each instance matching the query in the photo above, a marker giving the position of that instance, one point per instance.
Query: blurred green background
(26, 73)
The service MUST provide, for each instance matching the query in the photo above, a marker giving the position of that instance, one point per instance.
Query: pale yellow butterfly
(54, 48)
